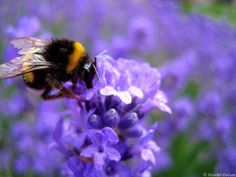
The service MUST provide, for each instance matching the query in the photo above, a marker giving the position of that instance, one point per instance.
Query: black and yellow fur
(70, 59)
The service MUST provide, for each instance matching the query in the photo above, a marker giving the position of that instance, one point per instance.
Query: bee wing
(30, 45)
(24, 64)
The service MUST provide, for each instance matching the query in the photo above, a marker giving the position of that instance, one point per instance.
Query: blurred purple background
(192, 43)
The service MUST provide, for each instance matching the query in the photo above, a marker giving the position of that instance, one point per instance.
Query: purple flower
(120, 47)
(142, 35)
(101, 149)
(32, 143)
(173, 79)
(146, 147)
(210, 104)
(27, 26)
(22, 164)
(110, 127)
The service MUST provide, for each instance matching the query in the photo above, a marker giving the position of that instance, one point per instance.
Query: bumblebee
(47, 64)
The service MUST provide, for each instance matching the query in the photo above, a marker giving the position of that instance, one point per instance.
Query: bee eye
(63, 50)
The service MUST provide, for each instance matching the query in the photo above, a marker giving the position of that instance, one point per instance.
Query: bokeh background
(192, 42)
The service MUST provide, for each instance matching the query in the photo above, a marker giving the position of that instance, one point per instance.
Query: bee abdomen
(35, 79)
(28, 77)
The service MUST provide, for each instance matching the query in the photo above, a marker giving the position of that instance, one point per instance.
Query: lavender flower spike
(109, 133)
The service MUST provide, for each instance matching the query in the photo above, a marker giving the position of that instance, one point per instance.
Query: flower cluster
(108, 134)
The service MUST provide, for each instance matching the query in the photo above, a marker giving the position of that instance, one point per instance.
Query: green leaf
(189, 158)
(192, 89)
(216, 10)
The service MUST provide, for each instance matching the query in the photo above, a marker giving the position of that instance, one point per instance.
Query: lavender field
(163, 104)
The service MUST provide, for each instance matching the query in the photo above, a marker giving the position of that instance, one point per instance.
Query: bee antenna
(101, 53)
(96, 71)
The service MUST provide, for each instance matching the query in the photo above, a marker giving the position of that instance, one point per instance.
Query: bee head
(87, 72)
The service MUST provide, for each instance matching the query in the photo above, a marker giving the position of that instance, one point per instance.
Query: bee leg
(74, 81)
(74, 85)
(45, 95)
(63, 92)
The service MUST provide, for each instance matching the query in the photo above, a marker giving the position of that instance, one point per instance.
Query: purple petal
(153, 146)
(141, 167)
(57, 134)
(89, 151)
(148, 155)
(160, 101)
(114, 168)
(110, 135)
(112, 154)
(76, 166)
(96, 137)
(108, 91)
(147, 137)
(99, 159)
(125, 97)
(79, 141)
(135, 91)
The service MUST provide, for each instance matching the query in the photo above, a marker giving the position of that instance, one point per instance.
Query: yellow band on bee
(29, 77)
(75, 56)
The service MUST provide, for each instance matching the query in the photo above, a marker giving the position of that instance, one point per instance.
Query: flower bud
(95, 121)
(111, 118)
(128, 121)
